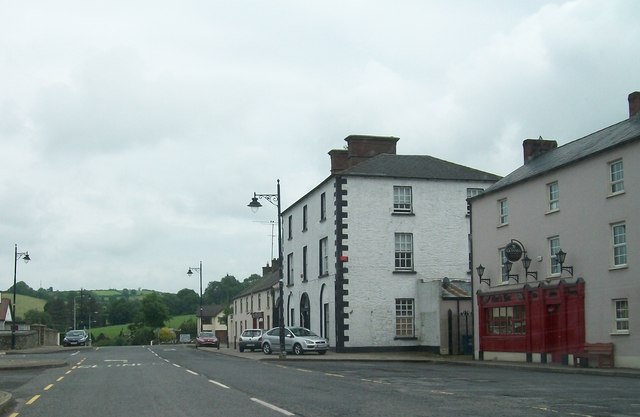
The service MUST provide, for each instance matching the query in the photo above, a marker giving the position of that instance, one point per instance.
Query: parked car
(250, 339)
(297, 340)
(75, 338)
(207, 339)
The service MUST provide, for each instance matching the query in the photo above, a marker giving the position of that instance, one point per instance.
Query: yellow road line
(33, 399)
(48, 387)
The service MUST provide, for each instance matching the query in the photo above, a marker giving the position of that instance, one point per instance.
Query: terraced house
(555, 252)
(376, 255)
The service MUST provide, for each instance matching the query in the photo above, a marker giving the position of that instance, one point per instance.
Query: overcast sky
(134, 133)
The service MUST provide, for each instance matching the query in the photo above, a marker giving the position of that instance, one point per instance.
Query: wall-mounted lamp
(560, 257)
(507, 267)
(526, 263)
(480, 269)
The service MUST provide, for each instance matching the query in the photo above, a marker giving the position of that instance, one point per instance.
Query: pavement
(37, 358)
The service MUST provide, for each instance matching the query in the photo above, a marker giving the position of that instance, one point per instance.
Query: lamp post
(255, 205)
(189, 273)
(25, 257)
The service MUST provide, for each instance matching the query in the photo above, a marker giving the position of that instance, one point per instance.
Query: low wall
(27, 339)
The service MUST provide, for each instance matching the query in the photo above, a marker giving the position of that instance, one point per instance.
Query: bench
(601, 355)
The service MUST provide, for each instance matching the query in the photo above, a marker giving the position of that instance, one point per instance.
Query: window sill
(611, 195)
(406, 272)
(552, 211)
(405, 338)
(618, 267)
(503, 225)
(403, 213)
(620, 333)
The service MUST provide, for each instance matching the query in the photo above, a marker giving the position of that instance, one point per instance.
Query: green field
(113, 331)
(25, 303)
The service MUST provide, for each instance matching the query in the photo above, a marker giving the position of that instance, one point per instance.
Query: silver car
(250, 339)
(297, 340)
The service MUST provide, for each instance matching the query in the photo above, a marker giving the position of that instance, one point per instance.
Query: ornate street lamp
(255, 205)
(26, 258)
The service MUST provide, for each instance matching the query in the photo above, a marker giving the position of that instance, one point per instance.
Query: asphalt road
(181, 381)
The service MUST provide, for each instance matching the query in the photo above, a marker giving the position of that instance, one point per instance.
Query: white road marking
(273, 407)
(218, 384)
(191, 372)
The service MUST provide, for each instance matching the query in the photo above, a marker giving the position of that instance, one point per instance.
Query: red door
(553, 333)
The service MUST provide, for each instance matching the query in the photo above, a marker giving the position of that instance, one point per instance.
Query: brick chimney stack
(634, 103)
(359, 148)
(536, 147)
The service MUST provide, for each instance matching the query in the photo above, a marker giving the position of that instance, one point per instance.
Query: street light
(25, 257)
(189, 273)
(255, 205)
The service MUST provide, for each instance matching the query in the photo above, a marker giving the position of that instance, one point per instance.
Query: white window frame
(403, 250)
(619, 251)
(323, 261)
(304, 263)
(323, 207)
(402, 199)
(503, 212)
(503, 272)
(553, 195)
(405, 318)
(621, 316)
(305, 213)
(290, 269)
(554, 247)
(616, 177)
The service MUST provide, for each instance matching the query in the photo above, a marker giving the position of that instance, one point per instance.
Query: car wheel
(322, 352)
(266, 348)
(297, 349)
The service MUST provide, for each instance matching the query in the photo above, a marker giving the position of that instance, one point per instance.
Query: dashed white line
(191, 372)
(218, 384)
(176, 365)
(273, 407)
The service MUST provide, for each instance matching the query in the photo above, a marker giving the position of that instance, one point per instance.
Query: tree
(60, 313)
(122, 310)
(166, 335)
(189, 327)
(252, 279)
(224, 318)
(38, 317)
(221, 292)
(154, 310)
(188, 301)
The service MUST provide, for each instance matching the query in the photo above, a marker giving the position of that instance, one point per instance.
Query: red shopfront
(545, 318)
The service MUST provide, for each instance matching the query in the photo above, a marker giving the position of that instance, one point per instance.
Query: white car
(297, 340)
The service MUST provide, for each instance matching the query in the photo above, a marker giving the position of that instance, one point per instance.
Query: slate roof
(262, 284)
(209, 311)
(603, 140)
(416, 166)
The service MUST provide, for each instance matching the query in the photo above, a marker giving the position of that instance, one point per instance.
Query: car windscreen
(302, 332)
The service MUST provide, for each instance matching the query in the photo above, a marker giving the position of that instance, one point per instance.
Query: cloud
(134, 135)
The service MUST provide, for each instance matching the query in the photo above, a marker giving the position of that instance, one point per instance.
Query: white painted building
(366, 250)
(254, 308)
(582, 198)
